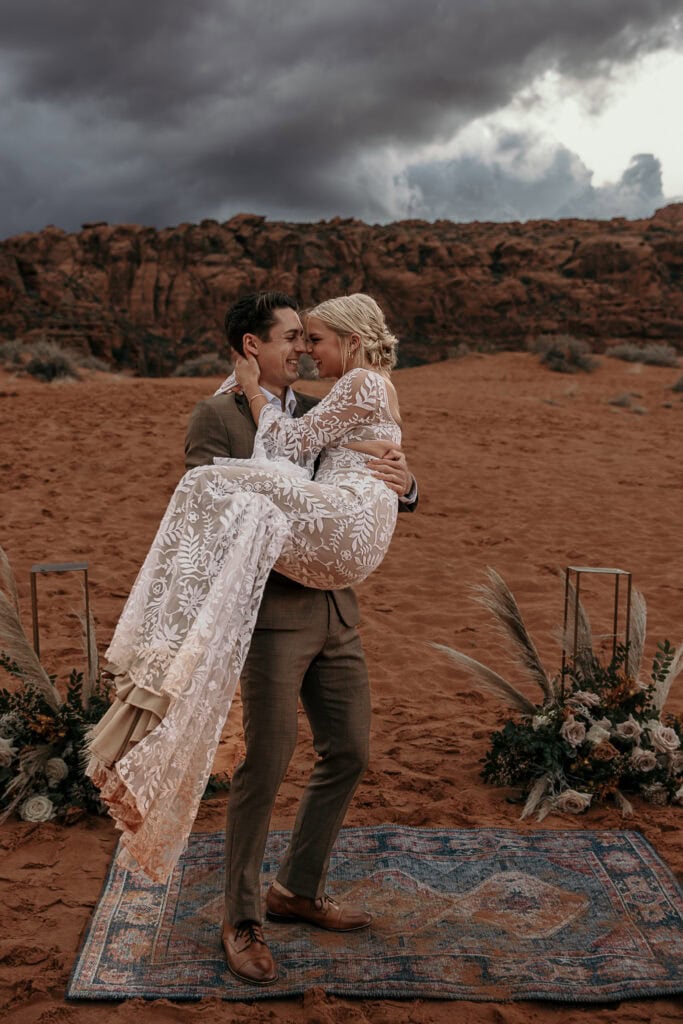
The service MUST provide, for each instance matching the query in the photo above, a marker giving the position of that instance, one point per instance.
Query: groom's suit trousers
(323, 665)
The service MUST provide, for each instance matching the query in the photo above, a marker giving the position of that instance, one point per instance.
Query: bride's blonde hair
(359, 314)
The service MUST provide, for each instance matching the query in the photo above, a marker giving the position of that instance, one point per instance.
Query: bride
(184, 633)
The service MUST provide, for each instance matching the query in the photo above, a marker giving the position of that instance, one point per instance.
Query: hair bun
(360, 314)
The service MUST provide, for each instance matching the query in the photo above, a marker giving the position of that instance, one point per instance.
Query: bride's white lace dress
(185, 631)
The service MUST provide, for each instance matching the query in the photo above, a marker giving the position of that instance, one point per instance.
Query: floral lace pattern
(187, 625)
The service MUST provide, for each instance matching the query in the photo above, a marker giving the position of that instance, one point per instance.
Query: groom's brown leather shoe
(323, 912)
(248, 956)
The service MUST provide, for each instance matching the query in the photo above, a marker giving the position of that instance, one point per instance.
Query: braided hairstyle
(359, 314)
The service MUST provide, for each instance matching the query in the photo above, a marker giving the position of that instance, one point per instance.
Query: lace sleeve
(356, 398)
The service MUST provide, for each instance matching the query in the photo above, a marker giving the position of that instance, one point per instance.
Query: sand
(519, 468)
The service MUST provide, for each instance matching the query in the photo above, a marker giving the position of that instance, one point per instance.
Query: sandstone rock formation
(145, 299)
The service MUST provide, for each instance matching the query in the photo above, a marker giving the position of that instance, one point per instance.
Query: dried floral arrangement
(599, 730)
(42, 735)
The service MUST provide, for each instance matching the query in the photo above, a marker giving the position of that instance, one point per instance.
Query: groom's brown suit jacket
(223, 426)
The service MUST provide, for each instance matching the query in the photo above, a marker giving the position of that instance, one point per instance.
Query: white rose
(643, 760)
(573, 732)
(628, 730)
(663, 738)
(37, 808)
(56, 770)
(598, 732)
(7, 752)
(678, 795)
(573, 802)
(587, 697)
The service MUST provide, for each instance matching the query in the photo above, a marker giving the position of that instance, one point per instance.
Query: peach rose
(643, 760)
(628, 730)
(573, 732)
(605, 751)
(663, 738)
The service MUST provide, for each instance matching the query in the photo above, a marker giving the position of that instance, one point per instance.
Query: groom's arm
(408, 503)
(206, 437)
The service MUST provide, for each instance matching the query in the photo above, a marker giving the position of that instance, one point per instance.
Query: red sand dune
(519, 468)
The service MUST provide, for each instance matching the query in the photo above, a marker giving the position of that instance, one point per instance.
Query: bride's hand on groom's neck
(247, 373)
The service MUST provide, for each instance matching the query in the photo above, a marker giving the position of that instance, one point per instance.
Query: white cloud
(633, 108)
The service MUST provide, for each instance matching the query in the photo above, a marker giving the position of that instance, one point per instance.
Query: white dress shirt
(290, 400)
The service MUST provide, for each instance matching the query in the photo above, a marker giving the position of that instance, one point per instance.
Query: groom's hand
(393, 470)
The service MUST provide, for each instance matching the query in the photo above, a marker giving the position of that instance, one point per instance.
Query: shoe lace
(325, 901)
(251, 931)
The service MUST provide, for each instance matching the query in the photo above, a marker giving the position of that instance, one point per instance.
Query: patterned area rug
(484, 915)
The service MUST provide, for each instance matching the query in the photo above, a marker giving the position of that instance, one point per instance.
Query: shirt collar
(290, 400)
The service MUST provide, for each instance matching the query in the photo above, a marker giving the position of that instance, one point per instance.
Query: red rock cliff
(147, 299)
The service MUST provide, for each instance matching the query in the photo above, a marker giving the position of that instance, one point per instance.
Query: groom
(305, 646)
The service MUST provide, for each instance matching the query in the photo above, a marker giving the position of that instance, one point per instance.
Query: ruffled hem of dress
(115, 794)
(133, 714)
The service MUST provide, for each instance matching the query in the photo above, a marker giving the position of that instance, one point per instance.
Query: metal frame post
(579, 571)
(42, 569)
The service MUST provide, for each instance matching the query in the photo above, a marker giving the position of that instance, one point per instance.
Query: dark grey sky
(161, 112)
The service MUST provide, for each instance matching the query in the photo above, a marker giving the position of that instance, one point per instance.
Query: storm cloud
(166, 112)
(518, 183)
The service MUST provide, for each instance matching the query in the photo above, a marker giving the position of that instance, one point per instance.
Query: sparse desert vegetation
(652, 354)
(46, 360)
(564, 353)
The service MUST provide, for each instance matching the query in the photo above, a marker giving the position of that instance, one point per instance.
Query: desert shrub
(678, 386)
(660, 355)
(208, 365)
(623, 401)
(47, 361)
(88, 362)
(653, 354)
(564, 353)
(458, 351)
(627, 351)
(11, 354)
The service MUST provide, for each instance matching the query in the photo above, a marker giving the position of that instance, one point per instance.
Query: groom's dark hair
(254, 314)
